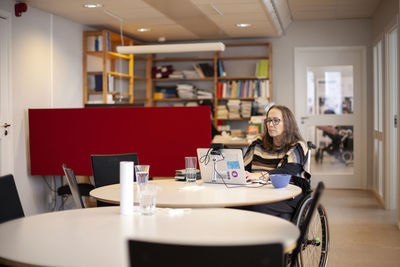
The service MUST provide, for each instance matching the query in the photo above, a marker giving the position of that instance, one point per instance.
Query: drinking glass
(142, 174)
(147, 198)
(191, 169)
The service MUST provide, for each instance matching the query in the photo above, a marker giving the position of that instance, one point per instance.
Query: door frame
(378, 184)
(6, 98)
(360, 145)
(390, 133)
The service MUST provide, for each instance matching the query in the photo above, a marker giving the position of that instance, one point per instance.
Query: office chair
(75, 188)
(313, 243)
(83, 188)
(152, 254)
(10, 207)
(106, 169)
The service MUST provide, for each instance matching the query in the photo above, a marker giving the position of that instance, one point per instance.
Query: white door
(6, 150)
(330, 107)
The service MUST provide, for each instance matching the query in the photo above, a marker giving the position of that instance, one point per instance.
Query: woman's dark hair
(290, 135)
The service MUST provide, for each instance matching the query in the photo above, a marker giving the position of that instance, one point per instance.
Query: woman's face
(275, 125)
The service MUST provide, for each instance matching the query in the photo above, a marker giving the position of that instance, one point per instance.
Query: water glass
(191, 169)
(142, 174)
(147, 198)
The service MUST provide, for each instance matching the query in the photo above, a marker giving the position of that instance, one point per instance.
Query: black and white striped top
(258, 159)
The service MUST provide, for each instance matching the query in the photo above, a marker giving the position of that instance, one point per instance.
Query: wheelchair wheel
(315, 247)
(347, 156)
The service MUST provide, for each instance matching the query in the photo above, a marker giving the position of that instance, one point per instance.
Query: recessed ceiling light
(143, 30)
(243, 25)
(92, 5)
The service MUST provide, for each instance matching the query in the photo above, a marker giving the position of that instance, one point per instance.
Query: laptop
(229, 166)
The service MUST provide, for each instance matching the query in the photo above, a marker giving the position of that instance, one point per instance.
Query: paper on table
(126, 184)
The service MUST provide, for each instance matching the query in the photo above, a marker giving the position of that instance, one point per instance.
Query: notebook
(229, 166)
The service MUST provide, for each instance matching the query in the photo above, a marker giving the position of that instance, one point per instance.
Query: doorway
(330, 93)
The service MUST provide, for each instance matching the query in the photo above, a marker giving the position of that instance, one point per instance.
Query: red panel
(161, 136)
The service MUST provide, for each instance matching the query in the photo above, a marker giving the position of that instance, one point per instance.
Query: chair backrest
(106, 167)
(73, 185)
(306, 223)
(149, 254)
(10, 204)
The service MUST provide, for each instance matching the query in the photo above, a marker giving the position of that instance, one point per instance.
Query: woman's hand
(252, 176)
(257, 176)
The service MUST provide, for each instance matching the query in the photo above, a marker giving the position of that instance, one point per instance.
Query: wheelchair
(315, 246)
(341, 146)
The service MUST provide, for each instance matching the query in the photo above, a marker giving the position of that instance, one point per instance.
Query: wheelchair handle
(311, 145)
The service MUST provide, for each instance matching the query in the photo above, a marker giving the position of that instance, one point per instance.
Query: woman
(280, 150)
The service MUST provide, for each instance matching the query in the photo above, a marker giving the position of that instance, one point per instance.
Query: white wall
(385, 12)
(314, 34)
(46, 61)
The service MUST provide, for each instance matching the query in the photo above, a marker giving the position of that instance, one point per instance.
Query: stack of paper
(260, 105)
(176, 75)
(246, 109)
(234, 109)
(190, 74)
(185, 90)
(204, 94)
(222, 112)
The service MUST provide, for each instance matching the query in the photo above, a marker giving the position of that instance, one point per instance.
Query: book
(221, 70)
(207, 69)
(98, 82)
(262, 68)
(91, 43)
(198, 70)
(98, 43)
(111, 88)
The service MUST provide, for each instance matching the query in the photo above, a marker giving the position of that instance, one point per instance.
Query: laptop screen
(228, 164)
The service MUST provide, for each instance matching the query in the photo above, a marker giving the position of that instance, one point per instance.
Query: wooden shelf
(243, 58)
(180, 99)
(104, 40)
(183, 79)
(236, 57)
(243, 78)
(94, 72)
(248, 44)
(164, 59)
(93, 92)
(236, 98)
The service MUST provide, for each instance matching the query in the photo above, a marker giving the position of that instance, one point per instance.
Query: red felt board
(161, 136)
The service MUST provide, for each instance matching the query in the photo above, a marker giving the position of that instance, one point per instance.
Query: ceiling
(178, 20)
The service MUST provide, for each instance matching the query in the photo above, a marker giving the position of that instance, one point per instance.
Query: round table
(175, 194)
(98, 236)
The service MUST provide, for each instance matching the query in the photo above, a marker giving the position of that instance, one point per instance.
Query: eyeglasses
(275, 121)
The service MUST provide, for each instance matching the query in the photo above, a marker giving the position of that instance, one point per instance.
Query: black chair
(10, 207)
(106, 169)
(75, 188)
(310, 249)
(82, 188)
(149, 254)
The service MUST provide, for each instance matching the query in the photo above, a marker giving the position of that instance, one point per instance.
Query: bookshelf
(109, 77)
(233, 79)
